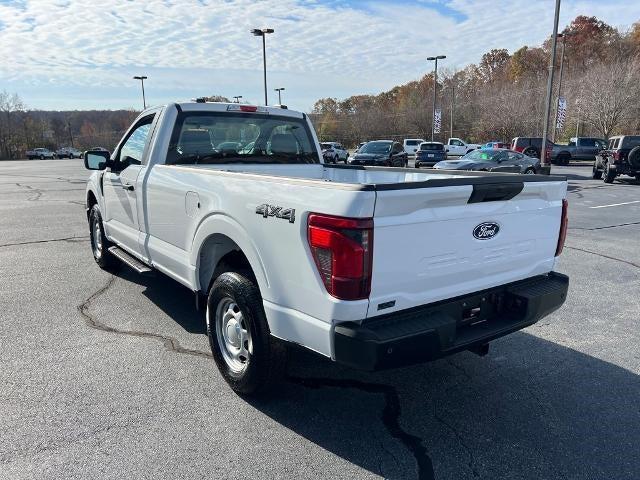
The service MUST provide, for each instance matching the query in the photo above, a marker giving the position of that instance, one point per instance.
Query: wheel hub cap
(232, 334)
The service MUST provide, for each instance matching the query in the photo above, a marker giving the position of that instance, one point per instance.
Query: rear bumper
(436, 330)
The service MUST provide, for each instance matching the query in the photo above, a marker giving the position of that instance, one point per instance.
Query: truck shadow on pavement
(529, 409)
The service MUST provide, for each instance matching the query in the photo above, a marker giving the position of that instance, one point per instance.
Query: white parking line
(616, 204)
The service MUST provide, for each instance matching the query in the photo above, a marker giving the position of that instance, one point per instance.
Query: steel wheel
(96, 238)
(234, 338)
(530, 171)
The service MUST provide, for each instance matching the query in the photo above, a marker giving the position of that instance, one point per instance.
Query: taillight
(616, 156)
(342, 249)
(564, 221)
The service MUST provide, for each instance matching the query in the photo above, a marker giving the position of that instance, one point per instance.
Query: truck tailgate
(425, 249)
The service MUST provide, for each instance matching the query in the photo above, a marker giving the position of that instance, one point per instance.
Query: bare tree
(609, 96)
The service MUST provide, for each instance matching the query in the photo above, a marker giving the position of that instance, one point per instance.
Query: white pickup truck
(372, 267)
(456, 147)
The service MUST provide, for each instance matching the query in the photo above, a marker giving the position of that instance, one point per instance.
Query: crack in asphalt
(50, 240)
(604, 256)
(38, 193)
(390, 416)
(605, 227)
(170, 343)
(461, 442)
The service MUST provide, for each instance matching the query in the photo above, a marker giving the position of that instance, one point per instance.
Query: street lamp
(237, 98)
(435, 87)
(279, 96)
(563, 36)
(142, 78)
(263, 32)
(544, 161)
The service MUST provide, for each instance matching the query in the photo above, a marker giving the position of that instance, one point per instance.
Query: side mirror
(96, 159)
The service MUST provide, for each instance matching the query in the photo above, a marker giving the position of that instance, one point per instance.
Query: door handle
(128, 187)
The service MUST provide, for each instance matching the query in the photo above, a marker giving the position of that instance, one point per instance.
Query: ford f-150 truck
(372, 267)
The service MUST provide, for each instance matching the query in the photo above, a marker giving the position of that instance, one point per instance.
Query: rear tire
(563, 159)
(595, 173)
(41, 157)
(530, 171)
(250, 360)
(608, 175)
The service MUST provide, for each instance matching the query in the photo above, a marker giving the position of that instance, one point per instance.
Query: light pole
(263, 32)
(564, 41)
(279, 90)
(142, 78)
(435, 88)
(544, 161)
(237, 98)
(453, 91)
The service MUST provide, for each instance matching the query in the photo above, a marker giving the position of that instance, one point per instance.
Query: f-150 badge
(267, 210)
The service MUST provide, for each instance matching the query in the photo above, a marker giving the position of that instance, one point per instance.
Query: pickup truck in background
(234, 202)
(457, 147)
(578, 148)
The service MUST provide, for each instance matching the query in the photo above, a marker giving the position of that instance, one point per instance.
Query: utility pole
(564, 41)
(70, 134)
(544, 161)
(435, 88)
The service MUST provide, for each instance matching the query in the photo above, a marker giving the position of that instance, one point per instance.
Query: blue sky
(81, 54)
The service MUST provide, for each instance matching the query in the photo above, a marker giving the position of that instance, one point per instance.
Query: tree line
(503, 96)
(22, 129)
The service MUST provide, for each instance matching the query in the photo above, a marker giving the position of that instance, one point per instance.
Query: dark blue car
(430, 153)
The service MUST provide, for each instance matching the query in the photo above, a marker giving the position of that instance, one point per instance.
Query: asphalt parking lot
(106, 376)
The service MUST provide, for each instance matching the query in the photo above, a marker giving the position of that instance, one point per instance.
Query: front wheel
(41, 157)
(99, 242)
(248, 357)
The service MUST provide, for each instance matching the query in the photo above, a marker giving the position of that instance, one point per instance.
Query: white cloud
(204, 47)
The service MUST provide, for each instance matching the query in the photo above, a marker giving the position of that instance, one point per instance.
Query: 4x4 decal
(267, 210)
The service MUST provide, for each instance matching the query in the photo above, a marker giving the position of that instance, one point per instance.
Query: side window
(397, 148)
(588, 142)
(133, 147)
(615, 144)
(513, 156)
(572, 143)
(456, 143)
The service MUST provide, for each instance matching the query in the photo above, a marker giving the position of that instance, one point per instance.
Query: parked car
(430, 153)
(68, 152)
(494, 160)
(621, 157)
(334, 152)
(360, 145)
(490, 145)
(281, 249)
(578, 148)
(411, 145)
(40, 153)
(98, 149)
(456, 147)
(383, 153)
(531, 146)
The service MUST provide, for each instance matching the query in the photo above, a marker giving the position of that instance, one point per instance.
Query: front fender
(221, 224)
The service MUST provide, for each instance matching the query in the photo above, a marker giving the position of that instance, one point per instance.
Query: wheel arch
(219, 239)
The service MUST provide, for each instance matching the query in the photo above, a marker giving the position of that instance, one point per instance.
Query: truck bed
(372, 178)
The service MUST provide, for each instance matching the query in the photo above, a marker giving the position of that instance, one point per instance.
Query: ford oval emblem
(486, 230)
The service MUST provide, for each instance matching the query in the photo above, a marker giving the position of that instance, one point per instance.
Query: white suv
(411, 145)
(334, 152)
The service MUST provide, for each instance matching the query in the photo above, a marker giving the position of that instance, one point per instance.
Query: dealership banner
(562, 112)
(437, 121)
